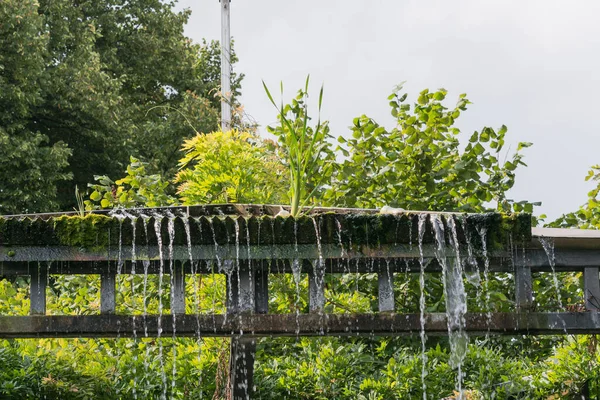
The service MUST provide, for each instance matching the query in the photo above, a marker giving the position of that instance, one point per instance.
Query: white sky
(531, 65)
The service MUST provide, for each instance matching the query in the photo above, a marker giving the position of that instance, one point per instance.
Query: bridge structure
(250, 243)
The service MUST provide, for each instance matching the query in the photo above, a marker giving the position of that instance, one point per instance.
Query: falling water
(146, 265)
(472, 273)
(422, 221)
(319, 270)
(133, 220)
(171, 230)
(296, 273)
(482, 230)
(194, 270)
(161, 271)
(220, 269)
(454, 292)
(548, 246)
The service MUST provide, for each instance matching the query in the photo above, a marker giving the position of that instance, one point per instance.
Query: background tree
(109, 79)
(31, 167)
(420, 164)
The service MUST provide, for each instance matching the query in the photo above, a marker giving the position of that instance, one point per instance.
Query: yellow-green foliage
(223, 167)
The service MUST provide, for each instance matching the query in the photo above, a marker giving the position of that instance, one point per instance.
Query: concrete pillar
(316, 288)
(37, 289)
(107, 291)
(386, 290)
(178, 289)
(591, 288)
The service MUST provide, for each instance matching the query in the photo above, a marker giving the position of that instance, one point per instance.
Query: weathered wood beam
(256, 325)
(67, 260)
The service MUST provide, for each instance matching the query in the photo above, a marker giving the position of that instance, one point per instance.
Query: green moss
(515, 227)
(93, 231)
(98, 231)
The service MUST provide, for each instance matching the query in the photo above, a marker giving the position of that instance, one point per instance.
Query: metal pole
(225, 67)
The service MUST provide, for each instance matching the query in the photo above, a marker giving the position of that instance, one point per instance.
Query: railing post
(241, 366)
(591, 288)
(243, 349)
(107, 291)
(316, 287)
(37, 289)
(178, 288)
(261, 289)
(523, 289)
(386, 290)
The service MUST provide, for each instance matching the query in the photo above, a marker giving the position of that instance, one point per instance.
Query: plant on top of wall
(307, 152)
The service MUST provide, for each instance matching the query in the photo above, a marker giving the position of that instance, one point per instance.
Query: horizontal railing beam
(66, 260)
(380, 324)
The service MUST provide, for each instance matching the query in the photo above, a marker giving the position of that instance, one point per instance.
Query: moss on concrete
(93, 231)
(99, 231)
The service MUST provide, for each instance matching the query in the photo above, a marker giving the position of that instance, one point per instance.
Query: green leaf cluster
(137, 188)
(420, 164)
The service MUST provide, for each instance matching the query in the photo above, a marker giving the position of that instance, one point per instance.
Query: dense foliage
(85, 85)
(230, 167)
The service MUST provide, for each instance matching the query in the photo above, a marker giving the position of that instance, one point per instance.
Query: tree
(31, 167)
(419, 164)
(109, 79)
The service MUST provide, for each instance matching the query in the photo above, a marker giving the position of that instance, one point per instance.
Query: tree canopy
(87, 84)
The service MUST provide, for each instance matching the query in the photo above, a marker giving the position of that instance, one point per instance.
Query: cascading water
(296, 273)
(318, 278)
(454, 292)
(548, 246)
(157, 229)
(171, 230)
(194, 278)
(146, 265)
(482, 230)
(421, 234)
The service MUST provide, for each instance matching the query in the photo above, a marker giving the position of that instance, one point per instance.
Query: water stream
(157, 229)
(421, 233)
(454, 293)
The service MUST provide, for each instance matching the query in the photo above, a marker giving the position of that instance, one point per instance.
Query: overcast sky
(531, 65)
